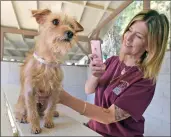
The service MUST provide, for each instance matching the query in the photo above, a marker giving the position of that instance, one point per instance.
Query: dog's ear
(78, 28)
(40, 15)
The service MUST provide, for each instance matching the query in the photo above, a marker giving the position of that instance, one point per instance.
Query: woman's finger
(97, 63)
(97, 73)
(92, 56)
(98, 60)
(95, 68)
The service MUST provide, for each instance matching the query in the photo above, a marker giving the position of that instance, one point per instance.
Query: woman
(125, 86)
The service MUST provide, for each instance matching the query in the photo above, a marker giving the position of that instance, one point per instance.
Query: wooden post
(2, 44)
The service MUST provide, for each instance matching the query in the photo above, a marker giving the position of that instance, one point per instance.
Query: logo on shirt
(119, 88)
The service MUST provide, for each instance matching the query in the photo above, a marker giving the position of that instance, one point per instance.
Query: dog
(41, 75)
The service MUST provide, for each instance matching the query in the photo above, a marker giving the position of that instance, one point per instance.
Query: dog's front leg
(32, 111)
(49, 112)
(20, 109)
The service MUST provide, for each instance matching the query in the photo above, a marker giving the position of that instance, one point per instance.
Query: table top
(64, 125)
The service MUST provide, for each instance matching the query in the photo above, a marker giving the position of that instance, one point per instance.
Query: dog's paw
(23, 119)
(49, 124)
(56, 114)
(35, 130)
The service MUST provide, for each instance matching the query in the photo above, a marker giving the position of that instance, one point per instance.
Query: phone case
(96, 48)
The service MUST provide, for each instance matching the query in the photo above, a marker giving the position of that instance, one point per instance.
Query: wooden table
(64, 125)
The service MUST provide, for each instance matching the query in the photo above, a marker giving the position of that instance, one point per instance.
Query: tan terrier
(41, 75)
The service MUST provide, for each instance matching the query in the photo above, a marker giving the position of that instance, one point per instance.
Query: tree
(163, 7)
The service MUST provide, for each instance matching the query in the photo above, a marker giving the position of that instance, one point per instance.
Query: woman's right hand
(96, 65)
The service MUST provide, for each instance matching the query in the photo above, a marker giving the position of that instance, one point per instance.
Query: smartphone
(96, 48)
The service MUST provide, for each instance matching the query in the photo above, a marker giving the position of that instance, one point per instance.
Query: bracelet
(85, 105)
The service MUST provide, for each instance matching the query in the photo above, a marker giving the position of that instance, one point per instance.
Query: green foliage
(163, 7)
(127, 14)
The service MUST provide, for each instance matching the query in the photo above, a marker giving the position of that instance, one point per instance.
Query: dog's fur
(41, 84)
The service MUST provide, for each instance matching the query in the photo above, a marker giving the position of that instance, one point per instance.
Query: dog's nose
(69, 34)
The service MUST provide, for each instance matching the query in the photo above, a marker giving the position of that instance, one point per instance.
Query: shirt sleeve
(136, 98)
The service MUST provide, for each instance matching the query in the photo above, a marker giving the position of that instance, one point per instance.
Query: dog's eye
(55, 21)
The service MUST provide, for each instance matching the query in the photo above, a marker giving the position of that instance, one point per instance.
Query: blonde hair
(158, 31)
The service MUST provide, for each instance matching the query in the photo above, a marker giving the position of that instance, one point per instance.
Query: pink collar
(42, 61)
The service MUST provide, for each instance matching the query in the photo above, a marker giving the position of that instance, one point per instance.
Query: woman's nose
(130, 36)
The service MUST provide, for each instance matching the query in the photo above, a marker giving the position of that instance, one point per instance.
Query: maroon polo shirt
(130, 92)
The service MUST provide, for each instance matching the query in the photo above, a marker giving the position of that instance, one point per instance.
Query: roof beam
(37, 3)
(90, 5)
(33, 33)
(19, 49)
(13, 45)
(2, 45)
(14, 57)
(79, 19)
(103, 13)
(146, 4)
(6, 52)
(111, 16)
(94, 6)
(10, 53)
(99, 19)
(62, 4)
(105, 8)
(19, 25)
(19, 31)
(56, 6)
(9, 42)
(85, 2)
(15, 13)
(107, 4)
